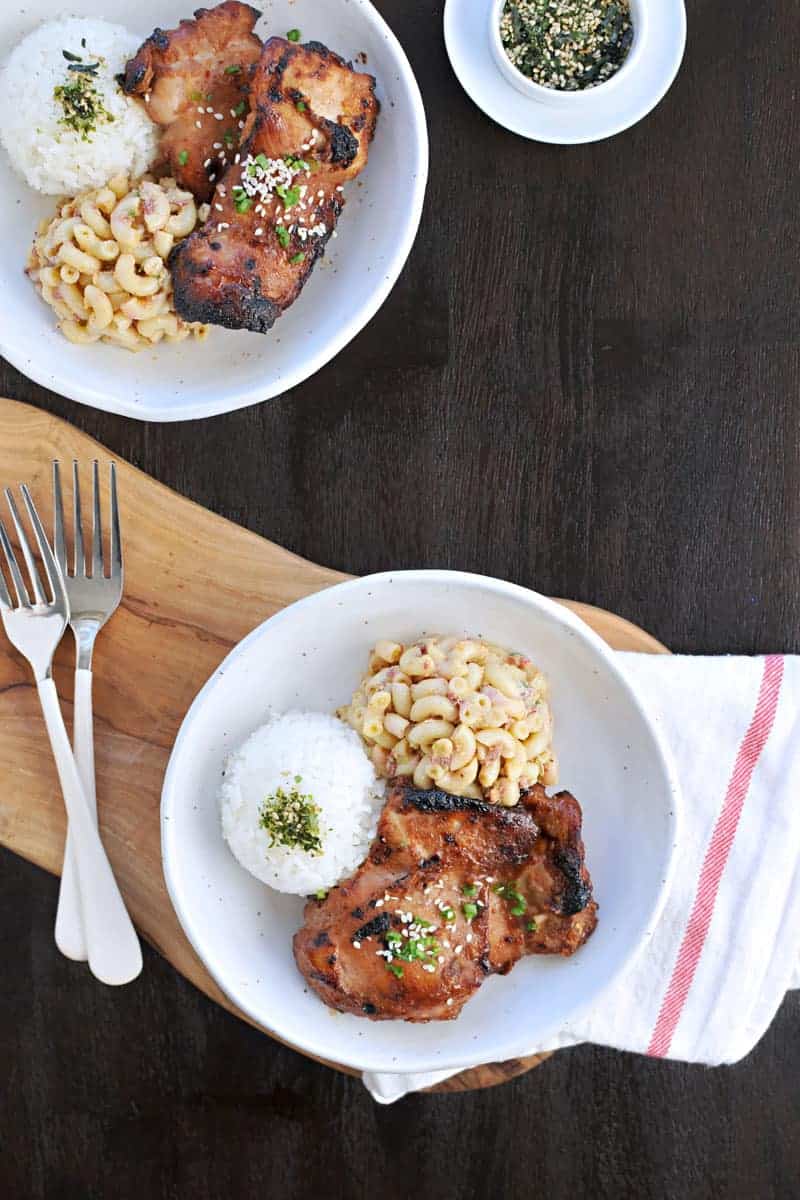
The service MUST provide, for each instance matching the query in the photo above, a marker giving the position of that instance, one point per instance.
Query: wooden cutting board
(195, 585)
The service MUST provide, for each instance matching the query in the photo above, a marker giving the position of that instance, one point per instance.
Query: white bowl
(310, 656)
(554, 96)
(233, 369)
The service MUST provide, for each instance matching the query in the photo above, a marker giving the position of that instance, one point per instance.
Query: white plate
(310, 656)
(467, 39)
(232, 369)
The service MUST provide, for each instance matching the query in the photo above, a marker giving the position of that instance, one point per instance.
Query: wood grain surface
(195, 584)
(586, 380)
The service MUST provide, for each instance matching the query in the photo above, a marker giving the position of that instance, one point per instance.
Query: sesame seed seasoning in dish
(569, 45)
(567, 52)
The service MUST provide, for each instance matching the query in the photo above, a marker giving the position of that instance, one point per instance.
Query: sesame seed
(218, 207)
(201, 111)
(199, 124)
(218, 117)
(449, 1001)
(379, 903)
(216, 146)
(207, 163)
(356, 945)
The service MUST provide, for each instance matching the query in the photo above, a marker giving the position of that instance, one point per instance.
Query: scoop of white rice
(52, 157)
(329, 760)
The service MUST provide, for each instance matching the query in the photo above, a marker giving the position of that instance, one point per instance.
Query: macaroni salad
(462, 715)
(101, 263)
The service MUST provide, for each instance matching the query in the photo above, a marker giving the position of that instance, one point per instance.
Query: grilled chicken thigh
(273, 211)
(452, 890)
(194, 81)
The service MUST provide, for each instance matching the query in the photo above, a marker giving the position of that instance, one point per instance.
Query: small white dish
(477, 56)
(230, 369)
(310, 655)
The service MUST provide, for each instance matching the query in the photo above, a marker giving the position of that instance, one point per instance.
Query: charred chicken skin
(453, 890)
(312, 117)
(194, 81)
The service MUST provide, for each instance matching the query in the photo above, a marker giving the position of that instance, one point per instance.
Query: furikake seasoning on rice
(568, 45)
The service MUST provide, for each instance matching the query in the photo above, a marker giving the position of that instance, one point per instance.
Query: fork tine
(97, 528)
(116, 535)
(48, 559)
(16, 575)
(27, 553)
(59, 541)
(5, 599)
(80, 558)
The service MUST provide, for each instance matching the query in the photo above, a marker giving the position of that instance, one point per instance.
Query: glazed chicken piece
(452, 890)
(194, 81)
(273, 212)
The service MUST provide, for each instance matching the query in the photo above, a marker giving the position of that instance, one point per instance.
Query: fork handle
(70, 937)
(115, 955)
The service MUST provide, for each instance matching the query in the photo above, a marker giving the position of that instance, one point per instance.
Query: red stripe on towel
(716, 856)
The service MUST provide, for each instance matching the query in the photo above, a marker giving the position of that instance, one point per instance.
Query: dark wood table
(587, 380)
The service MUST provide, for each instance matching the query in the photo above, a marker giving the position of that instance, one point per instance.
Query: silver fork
(92, 600)
(36, 627)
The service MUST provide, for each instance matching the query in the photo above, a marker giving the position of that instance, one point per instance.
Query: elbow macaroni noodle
(458, 714)
(101, 263)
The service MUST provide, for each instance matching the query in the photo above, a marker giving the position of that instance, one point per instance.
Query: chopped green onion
(448, 914)
(293, 35)
(396, 969)
(71, 57)
(393, 936)
(183, 157)
(289, 196)
(532, 927)
(297, 258)
(228, 137)
(195, 96)
(519, 907)
(209, 97)
(240, 108)
(233, 69)
(262, 161)
(301, 106)
(320, 894)
(282, 234)
(241, 201)
(469, 889)
(470, 911)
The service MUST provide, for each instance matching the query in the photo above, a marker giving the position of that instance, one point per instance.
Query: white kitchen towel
(708, 982)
